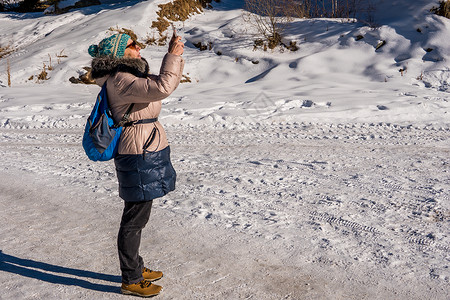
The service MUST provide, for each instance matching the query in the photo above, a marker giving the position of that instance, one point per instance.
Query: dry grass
(177, 10)
(43, 75)
(292, 46)
(6, 50)
(130, 32)
(60, 55)
(260, 43)
(162, 40)
(185, 79)
(443, 9)
(8, 71)
(150, 40)
(202, 46)
(85, 78)
(420, 77)
(50, 67)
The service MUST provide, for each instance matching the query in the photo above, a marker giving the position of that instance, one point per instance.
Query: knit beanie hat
(114, 46)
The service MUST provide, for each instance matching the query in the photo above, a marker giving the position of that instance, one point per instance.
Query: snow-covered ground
(316, 174)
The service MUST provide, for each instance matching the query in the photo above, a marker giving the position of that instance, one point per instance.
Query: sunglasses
(132, 45)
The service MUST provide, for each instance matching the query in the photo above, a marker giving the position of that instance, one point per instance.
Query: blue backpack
(101, 135)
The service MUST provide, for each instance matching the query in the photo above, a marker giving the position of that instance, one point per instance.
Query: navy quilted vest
(144, 178)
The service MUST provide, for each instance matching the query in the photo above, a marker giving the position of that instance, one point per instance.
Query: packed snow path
(281, 211)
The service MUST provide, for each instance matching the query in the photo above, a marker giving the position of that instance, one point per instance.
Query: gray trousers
(134, 218)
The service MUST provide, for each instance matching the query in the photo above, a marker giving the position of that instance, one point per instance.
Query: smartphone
(174, 35)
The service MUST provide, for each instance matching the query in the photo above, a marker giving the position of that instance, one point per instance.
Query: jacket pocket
(150, 140)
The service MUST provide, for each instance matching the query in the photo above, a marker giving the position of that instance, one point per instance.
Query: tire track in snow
(413, 239)
(342, 222)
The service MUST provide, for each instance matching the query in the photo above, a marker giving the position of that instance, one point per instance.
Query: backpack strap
(125, 117)
(124, 122)
(143, 121)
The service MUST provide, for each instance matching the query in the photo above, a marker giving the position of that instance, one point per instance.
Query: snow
(316, 174)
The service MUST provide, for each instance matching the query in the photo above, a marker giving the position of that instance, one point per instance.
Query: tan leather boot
(150, 275)
(143, 288)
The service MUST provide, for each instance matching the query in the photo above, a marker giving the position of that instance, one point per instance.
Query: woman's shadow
(26, 267)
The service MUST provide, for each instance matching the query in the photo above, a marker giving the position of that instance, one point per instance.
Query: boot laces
(145, 284)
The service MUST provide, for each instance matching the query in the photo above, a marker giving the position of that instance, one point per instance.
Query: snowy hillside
(316, 174)
(331, 74)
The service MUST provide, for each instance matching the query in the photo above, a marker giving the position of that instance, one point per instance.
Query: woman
(143, 164)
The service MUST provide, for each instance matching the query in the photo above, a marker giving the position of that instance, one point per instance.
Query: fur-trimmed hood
(103, 66)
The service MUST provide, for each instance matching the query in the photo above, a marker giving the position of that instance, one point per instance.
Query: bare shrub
(57, 10)
(23, 5)
(329, 8)
(299, 9)
(269, 17)
(55, 3)
(28, 5)
(84, 3)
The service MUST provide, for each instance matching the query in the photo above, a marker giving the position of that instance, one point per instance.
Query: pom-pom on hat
(114, 46)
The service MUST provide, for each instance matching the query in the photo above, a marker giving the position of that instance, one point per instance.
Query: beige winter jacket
(127, 82)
